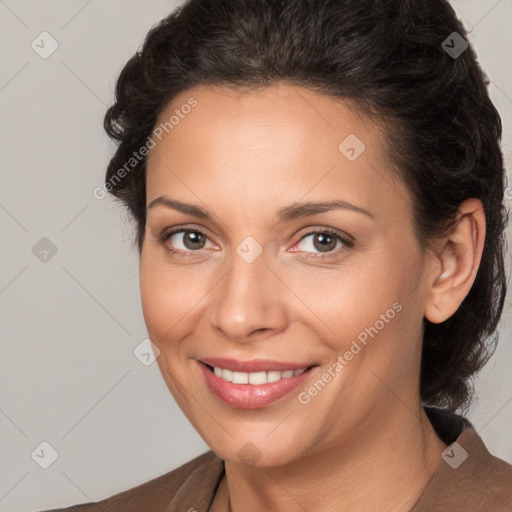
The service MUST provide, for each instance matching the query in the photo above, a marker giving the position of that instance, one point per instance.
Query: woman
(317, 187)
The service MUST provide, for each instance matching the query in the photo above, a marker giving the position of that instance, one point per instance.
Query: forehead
(263, 143)
(283, 112)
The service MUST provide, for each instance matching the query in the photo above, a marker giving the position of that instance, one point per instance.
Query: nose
(250, 301)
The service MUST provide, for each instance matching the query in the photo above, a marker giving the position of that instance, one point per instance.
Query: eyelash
(162, 240)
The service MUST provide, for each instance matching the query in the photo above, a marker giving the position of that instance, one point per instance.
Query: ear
(456, 262)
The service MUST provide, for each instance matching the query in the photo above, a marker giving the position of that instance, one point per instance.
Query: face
(241, 273)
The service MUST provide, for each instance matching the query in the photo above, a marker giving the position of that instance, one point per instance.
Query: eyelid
(310, 230)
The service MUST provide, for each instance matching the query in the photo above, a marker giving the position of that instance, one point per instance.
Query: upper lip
(256, 365)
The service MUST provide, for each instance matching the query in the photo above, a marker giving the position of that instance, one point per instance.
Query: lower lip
(249, 396)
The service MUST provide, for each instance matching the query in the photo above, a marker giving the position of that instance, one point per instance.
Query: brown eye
(324, 242)
(184, 240)
(192, 239)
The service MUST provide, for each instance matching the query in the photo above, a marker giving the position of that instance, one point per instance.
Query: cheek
(386, 322)
(161, 297)
(366, 306)
(347, 301)
(171, 297)
(151, 293)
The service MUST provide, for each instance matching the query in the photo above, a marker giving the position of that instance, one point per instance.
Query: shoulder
(156, 493)
(469, 476)
(481, 478)
(494, 477)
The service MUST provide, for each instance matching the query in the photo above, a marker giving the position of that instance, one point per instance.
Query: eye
(183, 241)
(324, 241)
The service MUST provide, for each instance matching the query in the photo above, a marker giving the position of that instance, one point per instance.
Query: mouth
(252, 384)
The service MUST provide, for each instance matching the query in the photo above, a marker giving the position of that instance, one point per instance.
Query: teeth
(274, 376)
(240, 378)
(255, 378)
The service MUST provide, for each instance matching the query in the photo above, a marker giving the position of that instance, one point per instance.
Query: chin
(257, 451)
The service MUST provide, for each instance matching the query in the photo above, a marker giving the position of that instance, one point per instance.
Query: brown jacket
(469, 479)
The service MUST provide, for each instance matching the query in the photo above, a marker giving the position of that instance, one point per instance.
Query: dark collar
(448, 425)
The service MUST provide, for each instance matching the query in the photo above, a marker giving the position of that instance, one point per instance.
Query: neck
(385, 466)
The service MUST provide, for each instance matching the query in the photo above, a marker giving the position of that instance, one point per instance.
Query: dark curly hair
(387, 57)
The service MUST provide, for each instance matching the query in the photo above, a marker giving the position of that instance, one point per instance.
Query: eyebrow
(285, 214)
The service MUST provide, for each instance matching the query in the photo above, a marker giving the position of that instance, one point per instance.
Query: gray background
(70, 324)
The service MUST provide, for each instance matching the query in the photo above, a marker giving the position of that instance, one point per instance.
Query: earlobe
(457, 263)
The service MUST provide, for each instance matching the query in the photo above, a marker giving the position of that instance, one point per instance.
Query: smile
(252, 384)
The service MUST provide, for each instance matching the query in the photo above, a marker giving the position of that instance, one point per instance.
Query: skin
(363, 442)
